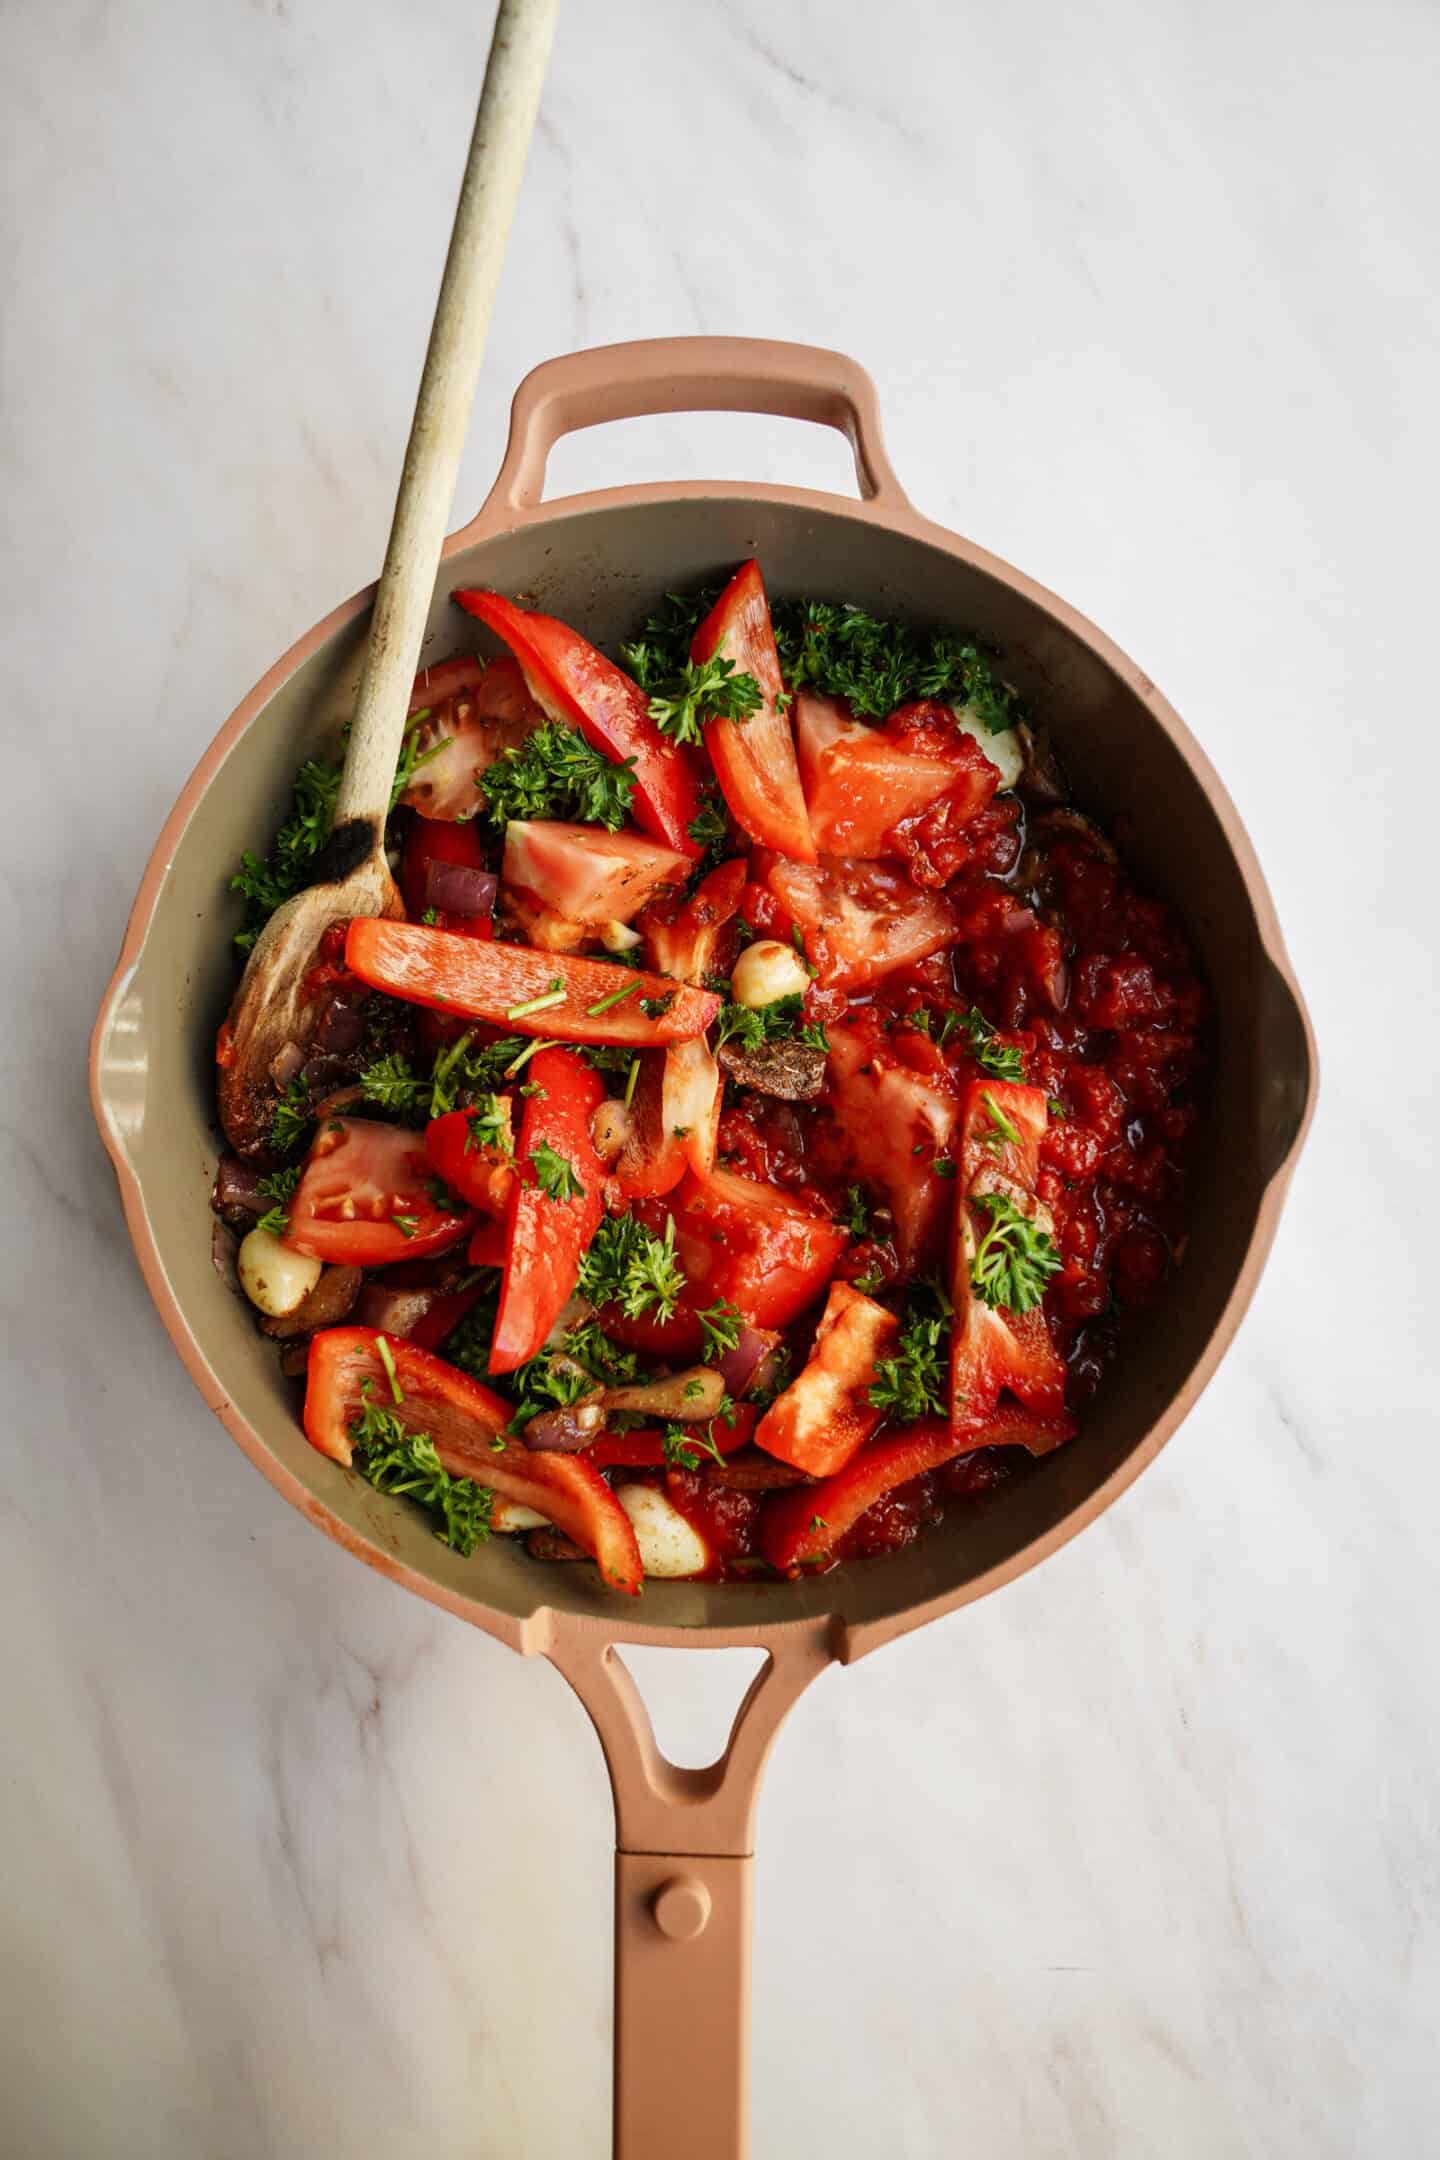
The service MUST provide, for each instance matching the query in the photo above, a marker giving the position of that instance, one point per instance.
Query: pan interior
(601, 569)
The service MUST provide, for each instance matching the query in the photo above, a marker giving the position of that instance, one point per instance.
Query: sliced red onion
(392, 1311)
(565, 1431)
(459, 889)
(223, 1247)
(323, 1074)
(739, 1366)
(236, 1196)
(692, 1396)
(286, 1062)
(340, 1028)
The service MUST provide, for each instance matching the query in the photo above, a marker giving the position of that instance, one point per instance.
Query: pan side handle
(694, 374)
(683, 1863)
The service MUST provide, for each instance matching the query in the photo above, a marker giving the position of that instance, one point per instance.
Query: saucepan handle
(699, 374)
(683, 1862)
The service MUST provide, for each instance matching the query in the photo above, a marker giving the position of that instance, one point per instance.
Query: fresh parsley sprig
(878, 665)
(912, 1384)
(555, 1174)
(1014, 1260)
(396, 1459)
(293, 1117)
(1001, 1059)
(629, 1266)
(555, 773)
(703, 690)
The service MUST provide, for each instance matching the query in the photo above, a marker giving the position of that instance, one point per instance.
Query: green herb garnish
(1014, 1260)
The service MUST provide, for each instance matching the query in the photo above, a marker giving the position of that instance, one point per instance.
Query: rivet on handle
(681, 1907)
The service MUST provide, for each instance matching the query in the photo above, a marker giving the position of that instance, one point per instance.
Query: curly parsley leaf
(703, 690)
(293, 1118)
(265, 884)
(721, 1323)
(665, 646)
(710, 827)
(912, 1384)
(555, 773)
(488, 1125)
(683, 1445)
(1002, 1059)
(555, 1174)
(1014, 1260)
(753, 1025)
(878, 665)
(398, 1460)
(629, 1266)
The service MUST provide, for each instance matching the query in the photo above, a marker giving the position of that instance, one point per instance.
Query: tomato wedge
(894, 1124)
(861, 920)
(809, 1522)
(684, 937)
(365, 1198)
(496, 982)
(547, 1235)
(580, 688)
(861, 782)
(585, 874)
(993, 1348)
(474, 710)
(481, 1174)
(467, 1424)
(825, 1414)
(754, 759)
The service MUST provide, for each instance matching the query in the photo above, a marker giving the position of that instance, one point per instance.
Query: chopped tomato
(468, 1426)
(327, 974)
(427, 841)
(825, 1414)
(498, 982)
(895, 1123)
(644, 1449)
(993, 1348)
(754, 759)
(580, 688)
(365, 1198)
(862, 782)
(482, 1174)
(585, 874)
(474, 711)
(685, 936)
(806, 1524)
(860, 920)
(554, 1211)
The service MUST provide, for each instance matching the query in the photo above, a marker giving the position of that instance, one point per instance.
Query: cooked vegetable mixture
(760, 1133)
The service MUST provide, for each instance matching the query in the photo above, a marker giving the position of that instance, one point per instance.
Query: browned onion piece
(340, 1029)
(459, 888)
(286, 1062)
(236, 1197)
(565, 1431)
(223, 1247)
(391, 1310)
(739, 1366)
(325, 1306)
(693, 1396)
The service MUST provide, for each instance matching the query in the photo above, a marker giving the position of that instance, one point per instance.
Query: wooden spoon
(270, 1008)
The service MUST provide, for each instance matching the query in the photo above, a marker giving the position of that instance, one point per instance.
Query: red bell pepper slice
(496, 982)
(580, 688)
(991, 1347)
(809, 1522)
(481, 1175)
(547, 1237)
(825, 1414)
(467, 1424)
(365, 1199)
(652, 1160)
(644, 1449)
(754, 759)
(487, 1243)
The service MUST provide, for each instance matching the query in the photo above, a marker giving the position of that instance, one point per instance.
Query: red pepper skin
(546, 1239)
(581, 688)
(755, 759)
(487, 1243)
(804, 1525)
(644, 1449)
(487, 981)
(444, 1316)
(467, 1424)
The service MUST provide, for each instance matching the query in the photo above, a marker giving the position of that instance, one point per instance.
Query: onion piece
(224, 1245)
(459, 888)
(392, 1311)
(566, 1431)
(693, 1396)
(340, 1028)
(739, 1366)
(236, 1196)
(286, 1062)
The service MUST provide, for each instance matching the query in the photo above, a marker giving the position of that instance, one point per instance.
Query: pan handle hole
(692, 1697)
(702, 446)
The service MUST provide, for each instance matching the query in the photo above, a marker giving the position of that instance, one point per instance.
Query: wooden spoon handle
(509, 101)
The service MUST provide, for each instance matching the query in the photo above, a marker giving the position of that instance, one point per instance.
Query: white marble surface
(1137, 1858)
